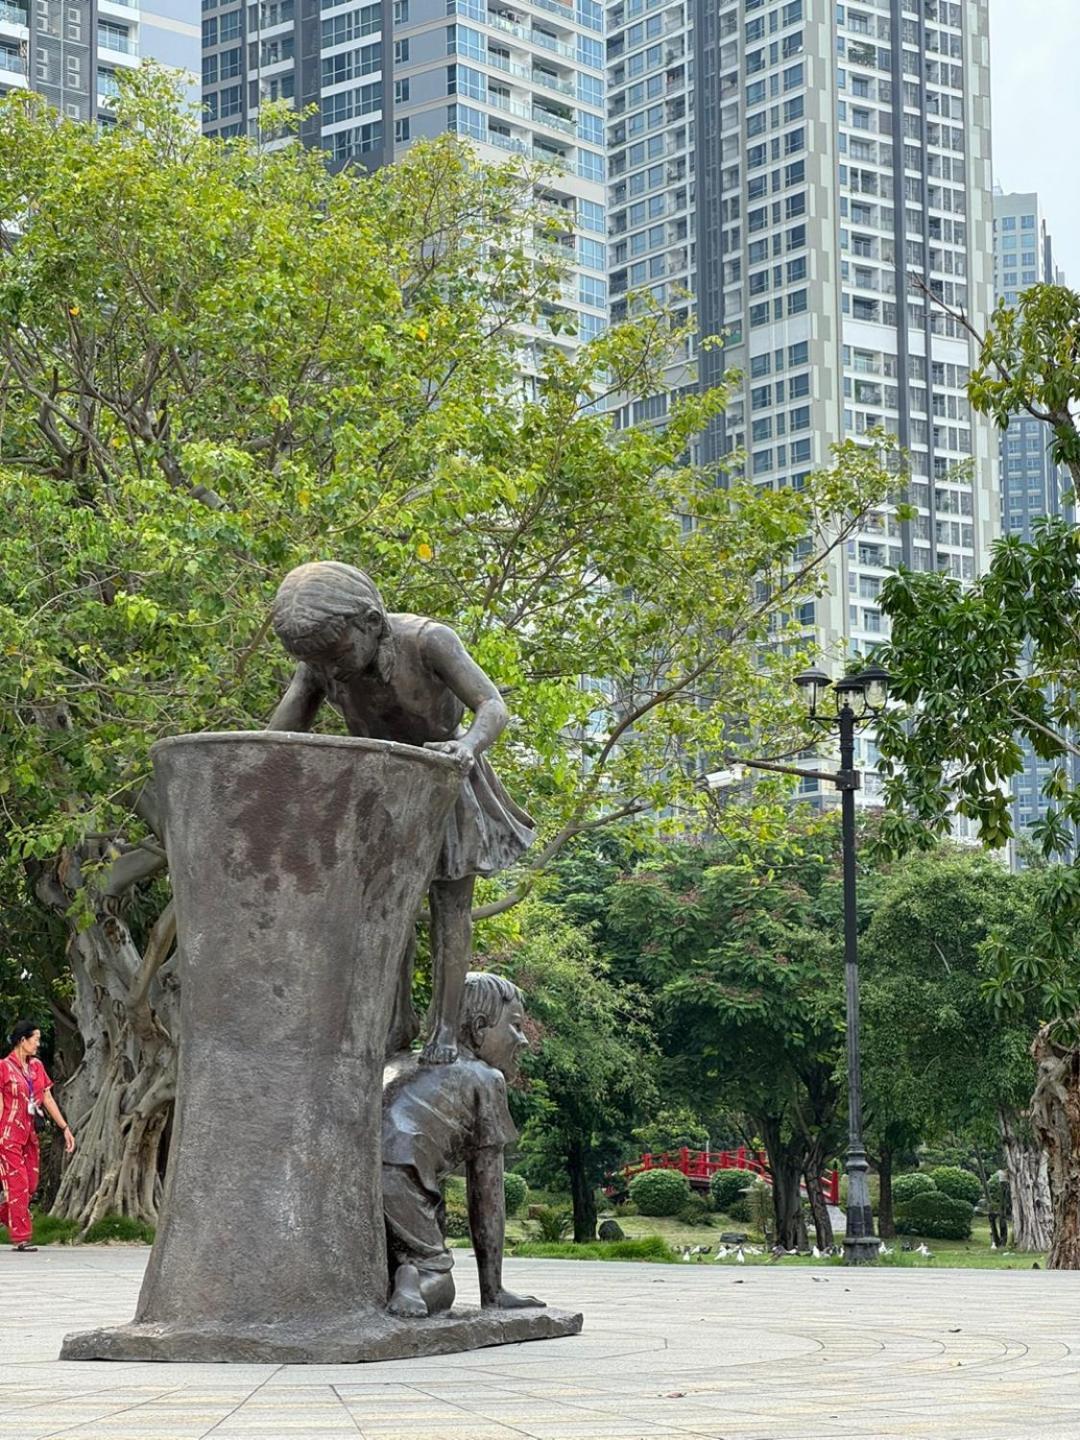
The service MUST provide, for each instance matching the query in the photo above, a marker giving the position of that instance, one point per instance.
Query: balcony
(13, 14)
(11, 63)
(121, 44)
(541, 116)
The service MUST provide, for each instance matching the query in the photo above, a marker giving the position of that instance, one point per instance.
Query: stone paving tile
(768, 1355)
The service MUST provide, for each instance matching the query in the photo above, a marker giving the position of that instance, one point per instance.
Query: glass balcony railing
(11, 63)
(120, 44)
(13, 14)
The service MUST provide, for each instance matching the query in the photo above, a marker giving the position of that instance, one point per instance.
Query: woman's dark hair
(22, 1031)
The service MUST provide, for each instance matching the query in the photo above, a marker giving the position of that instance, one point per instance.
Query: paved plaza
(667, 1351)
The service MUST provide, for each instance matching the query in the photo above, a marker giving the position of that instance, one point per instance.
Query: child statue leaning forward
(406, 678)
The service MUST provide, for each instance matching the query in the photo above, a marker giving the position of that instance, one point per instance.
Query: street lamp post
(858, 698)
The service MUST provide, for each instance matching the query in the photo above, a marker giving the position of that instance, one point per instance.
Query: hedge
(516, 1192)
(659, 1192)
(935, 1215)
(726, 1187)
(906, 1187)
(960, 1184)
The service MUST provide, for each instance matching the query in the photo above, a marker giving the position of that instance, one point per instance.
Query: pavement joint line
(242, 1403)
(348, 1412)
(123, 1410)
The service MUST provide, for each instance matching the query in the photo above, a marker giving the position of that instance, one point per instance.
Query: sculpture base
(367, 1337)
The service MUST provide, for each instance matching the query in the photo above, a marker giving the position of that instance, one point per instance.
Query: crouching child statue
(434, 1119)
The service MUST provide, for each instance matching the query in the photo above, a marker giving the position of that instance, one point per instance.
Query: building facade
(1031, 484)
(513, 78)
(826, 161)
(70, 50)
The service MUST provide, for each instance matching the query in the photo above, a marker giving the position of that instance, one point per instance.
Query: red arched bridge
(699, 1166)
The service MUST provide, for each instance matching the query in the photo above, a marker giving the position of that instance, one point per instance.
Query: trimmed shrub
(906, 1187)
(659, 1192)
(516, 1192)
(960, 1184)
(935, 1215)
(726, 1187)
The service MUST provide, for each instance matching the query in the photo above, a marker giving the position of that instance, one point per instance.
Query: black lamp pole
(861, 1246)
(867, 690)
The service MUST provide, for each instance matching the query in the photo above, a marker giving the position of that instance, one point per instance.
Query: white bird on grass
(739, 1256)
(923, 1250)
(816, 1253)
(883, 1249)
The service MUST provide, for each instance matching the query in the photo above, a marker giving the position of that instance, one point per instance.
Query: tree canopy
(219, 361)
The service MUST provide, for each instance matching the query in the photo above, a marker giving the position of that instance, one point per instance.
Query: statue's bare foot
(407, 1300)
(441, 1049)
(507, 1300)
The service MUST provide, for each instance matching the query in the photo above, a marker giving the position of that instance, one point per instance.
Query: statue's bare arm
(456, 668)
(297, 708)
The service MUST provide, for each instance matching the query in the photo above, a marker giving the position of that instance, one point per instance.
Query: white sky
(1034, 45)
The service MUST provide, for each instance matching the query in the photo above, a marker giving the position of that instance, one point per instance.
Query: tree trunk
(1055, 1115)
(886, 1219)
(1029, 1187)
(119, 1099)
(819, 1209)
(583, 1194)
(786, 1160)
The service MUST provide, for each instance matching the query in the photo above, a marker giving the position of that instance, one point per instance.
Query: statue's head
(332, 615)
(492, 1020)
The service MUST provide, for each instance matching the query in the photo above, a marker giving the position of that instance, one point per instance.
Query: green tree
(591, 1072)
(740, 947)
(936, 1045)
(670, 1131)
(980, 669)
(217, 362)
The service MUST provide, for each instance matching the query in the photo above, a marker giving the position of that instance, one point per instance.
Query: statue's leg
(404, 1023)
(451, 950)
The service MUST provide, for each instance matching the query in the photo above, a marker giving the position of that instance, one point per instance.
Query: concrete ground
(667, 1351)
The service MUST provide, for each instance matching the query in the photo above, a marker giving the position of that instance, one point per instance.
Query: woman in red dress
(25, 1093)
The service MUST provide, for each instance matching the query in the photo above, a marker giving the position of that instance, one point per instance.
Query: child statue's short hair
(316, 603)
(485, 997)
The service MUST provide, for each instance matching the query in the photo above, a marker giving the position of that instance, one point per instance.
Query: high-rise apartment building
(517, 77)
(803, 168)
(70, 50)
(1031, 484)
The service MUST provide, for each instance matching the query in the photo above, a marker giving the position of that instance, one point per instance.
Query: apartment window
(209, 31)
(401, 90)
(464, 120)
(461, 40)
(231, 63)
(229, 26)
(401, 130)
(231, 100)
(401, 52)
(401, 12)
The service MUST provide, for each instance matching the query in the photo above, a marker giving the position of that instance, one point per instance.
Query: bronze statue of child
(406, 678)
(435, 1119)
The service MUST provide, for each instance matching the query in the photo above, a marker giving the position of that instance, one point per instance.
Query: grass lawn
(973, 1254)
